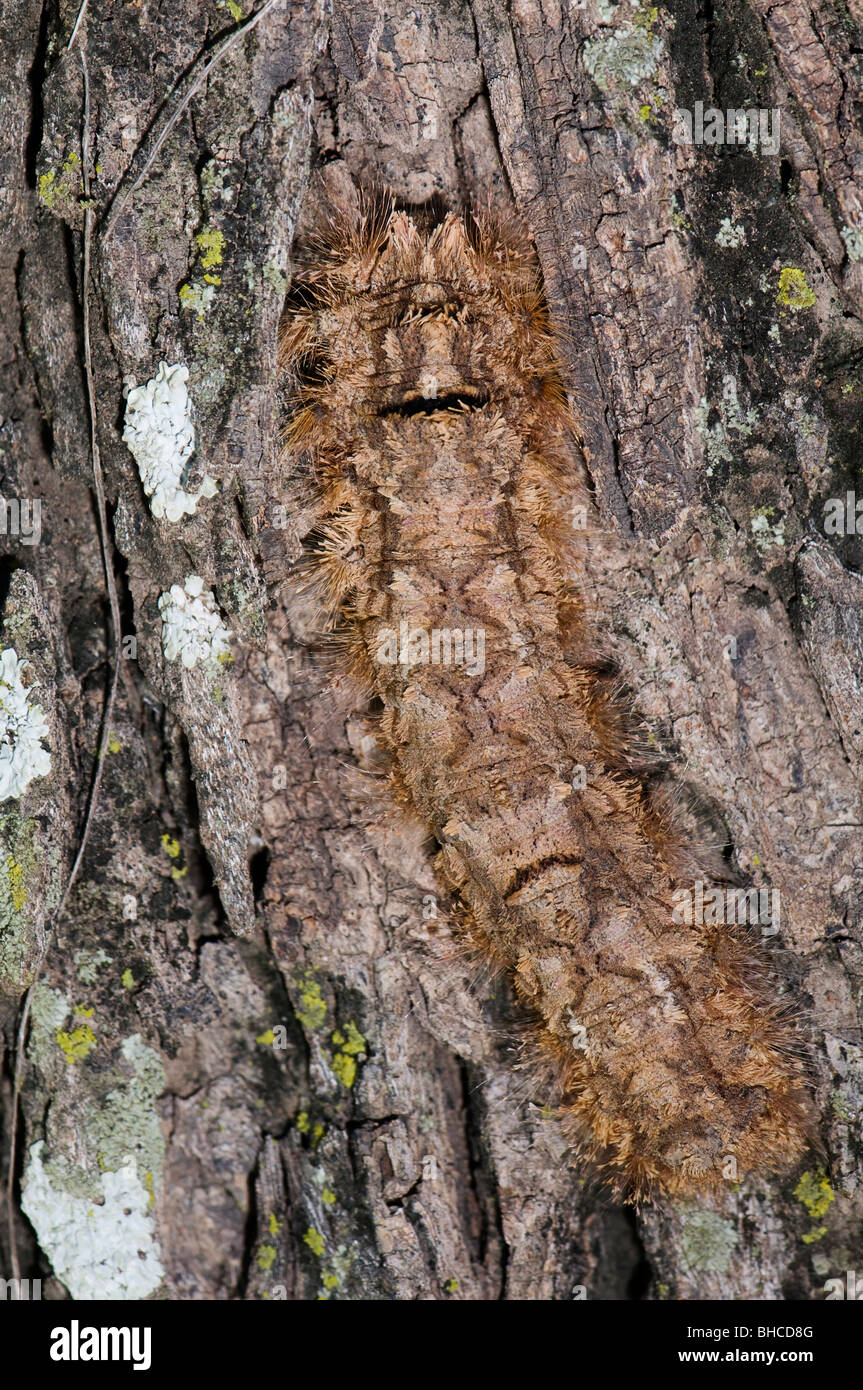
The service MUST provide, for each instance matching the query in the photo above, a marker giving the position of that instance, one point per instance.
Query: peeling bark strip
(330, 1106)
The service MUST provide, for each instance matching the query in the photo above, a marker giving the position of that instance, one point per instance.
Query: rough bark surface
(248, 993)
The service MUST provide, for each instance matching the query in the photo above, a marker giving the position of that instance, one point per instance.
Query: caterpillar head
(391, 318)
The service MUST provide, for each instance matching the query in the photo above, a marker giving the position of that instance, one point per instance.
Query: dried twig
(77, 24)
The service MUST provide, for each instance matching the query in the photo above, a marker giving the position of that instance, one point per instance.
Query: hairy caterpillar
(428, 405)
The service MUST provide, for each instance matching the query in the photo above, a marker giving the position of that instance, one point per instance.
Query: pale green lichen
(266, 1257)
(707, 1241)
(765, 532)
(626, 56)
(213, 184)
(809, 426)
(853, 238)
(89, 965)
(795, 292)
(197, 298)
(49, 1010)
(733, 420)
(127, 1123)
(275, 277)
(110, 1130)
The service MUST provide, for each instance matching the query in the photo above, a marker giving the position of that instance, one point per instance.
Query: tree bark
(252, 1010)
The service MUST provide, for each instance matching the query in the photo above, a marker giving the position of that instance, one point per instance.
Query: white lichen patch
(275, 276)
(197, 297)
(161, 437)
(192, 628)
(853, 238)
(765, 533)
(89, 964)
(22, 728)
(730, 234)
(736, 419)
(102, 1248)
(803, 415)
(623, 58)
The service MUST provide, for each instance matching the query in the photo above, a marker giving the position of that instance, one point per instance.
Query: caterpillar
(426, 402)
